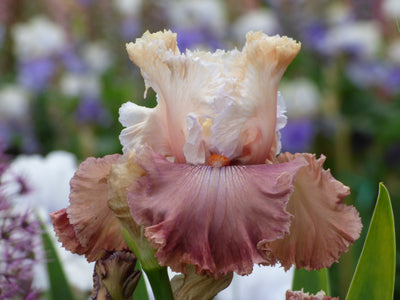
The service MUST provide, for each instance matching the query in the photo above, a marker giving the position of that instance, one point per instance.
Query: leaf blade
(375, 272)
(59, 286)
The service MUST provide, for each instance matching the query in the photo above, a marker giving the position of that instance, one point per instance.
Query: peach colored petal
(251, 117)
(95, 226)
(183, 83)
(218, 219)
(65, 232)
(322, 226)
(300, 295)
(236, 90)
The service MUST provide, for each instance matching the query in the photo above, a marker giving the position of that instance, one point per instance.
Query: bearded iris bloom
(208, 184)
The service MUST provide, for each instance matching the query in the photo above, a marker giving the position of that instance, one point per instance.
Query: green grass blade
(375, 272)
(59, 287)
(311, 281)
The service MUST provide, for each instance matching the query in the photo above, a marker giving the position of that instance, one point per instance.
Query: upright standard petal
(184, 83)
(218, 219)
(94, 226)
(266, 60)
(234, 92)
(322, 226)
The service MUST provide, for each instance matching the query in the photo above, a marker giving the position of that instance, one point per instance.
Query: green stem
(160, 284)
(157, 275)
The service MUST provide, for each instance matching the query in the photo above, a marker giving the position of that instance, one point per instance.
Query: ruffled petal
(65, 232)
(300, 295)
(141, 125)
(322, 226)
(266, 60)
(218, 219)
(95, 226)
(237, 90)
(184, 84)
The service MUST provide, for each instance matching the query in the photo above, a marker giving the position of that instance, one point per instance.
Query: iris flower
(203, 174)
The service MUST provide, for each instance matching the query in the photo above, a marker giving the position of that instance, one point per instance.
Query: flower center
(217, 161)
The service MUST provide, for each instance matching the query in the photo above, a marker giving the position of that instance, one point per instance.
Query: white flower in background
(97, 56)
(338, 13)
(301, 96)
(14, 102)
(361, 37)
(48, 179)
(198, 13)
(255, 20)
(131, 8)
(37, 38)
(263, 284)
(76, 85)
(391, 9)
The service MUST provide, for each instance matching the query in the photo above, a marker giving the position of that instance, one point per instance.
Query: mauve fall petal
(322, 226)
(65, 232)
(218, 219)
(95, 226)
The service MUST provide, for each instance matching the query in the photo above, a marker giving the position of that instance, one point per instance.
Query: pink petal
(218, 219)
(300, 295)
(322, 227)
(95, 226)
(65, 232)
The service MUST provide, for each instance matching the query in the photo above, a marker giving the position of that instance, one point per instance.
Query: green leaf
(311, 281)
(141, 289)
(375, 272)
(59, 287)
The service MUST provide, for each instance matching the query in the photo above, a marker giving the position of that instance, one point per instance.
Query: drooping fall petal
(218, 219)
(65, 232)
(96, 228)
(322, 226)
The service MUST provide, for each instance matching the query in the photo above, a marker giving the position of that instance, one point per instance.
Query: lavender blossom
(36, 74)
(19, 232)
(298, 135)
(90, 110)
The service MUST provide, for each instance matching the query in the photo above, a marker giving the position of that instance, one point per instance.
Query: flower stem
(157, 275)
(160, 284)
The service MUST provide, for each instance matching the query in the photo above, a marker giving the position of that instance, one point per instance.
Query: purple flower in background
(73, 62)
(189, 38)
(367, 74)
(314, 35)
(36, 74)
(130, 28)
(19, 231)
(392, 82)
(90, 110)
(298, 135)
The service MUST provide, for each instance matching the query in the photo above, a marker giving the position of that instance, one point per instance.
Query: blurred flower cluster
(64, 74)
